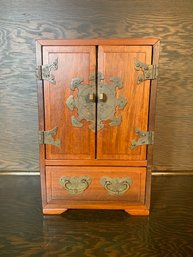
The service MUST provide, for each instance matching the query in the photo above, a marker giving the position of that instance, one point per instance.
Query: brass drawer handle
(75, 185)
(116, 186)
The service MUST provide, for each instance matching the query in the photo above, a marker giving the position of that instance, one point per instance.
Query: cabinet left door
(68, 104)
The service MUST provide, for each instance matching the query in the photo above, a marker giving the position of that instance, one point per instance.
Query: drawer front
(96, 184)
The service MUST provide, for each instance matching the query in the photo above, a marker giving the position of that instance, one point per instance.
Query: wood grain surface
(168, 231)
(118, 61)
(73, 62)
(22, 22)
(95, 196)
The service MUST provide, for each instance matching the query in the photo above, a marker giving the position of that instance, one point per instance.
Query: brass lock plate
(108, 102)
(84, 102)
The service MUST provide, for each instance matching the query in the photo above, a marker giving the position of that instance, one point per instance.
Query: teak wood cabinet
(96, 123)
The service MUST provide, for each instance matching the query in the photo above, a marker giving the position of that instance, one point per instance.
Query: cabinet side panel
(40, 93)
(152, 108)
(119, 61)
(77, 142)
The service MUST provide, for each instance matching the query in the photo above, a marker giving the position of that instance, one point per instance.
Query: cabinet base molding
(143, 212)
(54, 211)
(137, 212)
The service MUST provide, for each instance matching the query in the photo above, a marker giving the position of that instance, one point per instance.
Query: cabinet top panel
(99, 41)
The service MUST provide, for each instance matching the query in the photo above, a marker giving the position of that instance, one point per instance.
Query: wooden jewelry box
(96, 123)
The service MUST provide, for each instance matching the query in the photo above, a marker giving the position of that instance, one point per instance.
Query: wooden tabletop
(168, 231)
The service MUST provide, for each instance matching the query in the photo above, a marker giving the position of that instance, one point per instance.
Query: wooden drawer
(93, 185)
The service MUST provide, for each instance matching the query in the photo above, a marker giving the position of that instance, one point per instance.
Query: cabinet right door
(122, 100)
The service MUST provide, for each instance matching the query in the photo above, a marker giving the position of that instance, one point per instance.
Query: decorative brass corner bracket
(46, 137)
(145, 138)
(116, 186)
(148, 71)
(43, 72)
(75, 185)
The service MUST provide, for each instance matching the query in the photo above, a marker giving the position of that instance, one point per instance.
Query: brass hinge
(145, 138)
(43, 72)
(46, 137)
(149, 71)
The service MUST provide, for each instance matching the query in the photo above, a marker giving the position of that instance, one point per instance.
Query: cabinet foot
(54, 211)
(137, 212)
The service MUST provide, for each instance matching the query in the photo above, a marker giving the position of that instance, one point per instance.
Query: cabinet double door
(96, 98)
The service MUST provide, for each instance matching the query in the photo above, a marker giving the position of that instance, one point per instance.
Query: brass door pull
(102, 97)
(92, 97)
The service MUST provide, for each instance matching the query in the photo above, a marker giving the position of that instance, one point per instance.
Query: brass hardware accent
(145, 138)
(84, 102)
(92, 98)
(108, 102)
(70, 103)
(43, 71)
(75, 185)
(102, 97)
(149, 71)
(46, 137)
(116, 186)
